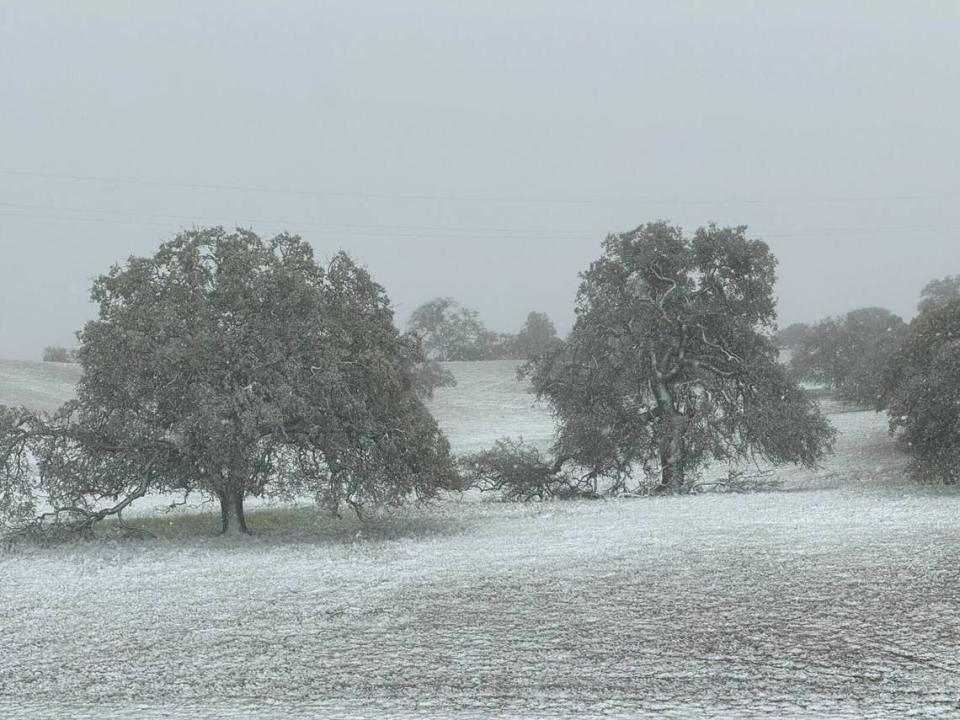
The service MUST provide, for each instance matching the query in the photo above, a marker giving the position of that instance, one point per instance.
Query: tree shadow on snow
(292, 525)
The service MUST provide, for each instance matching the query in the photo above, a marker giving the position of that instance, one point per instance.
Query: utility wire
(401, 231)
(476, 199)
(221, 219)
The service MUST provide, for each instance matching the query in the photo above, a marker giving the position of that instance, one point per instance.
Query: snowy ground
(838, 597)
(488, 403)
(38, 385)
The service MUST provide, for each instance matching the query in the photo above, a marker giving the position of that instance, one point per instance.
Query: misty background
(481, 150)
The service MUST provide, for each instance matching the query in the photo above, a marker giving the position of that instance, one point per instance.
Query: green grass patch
(303, 524)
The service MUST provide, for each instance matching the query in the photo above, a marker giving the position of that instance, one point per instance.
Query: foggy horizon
(478, 152)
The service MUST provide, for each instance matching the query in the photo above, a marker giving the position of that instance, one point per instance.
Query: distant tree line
(911, 371)
(849, 353)
(451, 332)
(57, 354)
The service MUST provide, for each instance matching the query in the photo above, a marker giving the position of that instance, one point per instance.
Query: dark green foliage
(449, 331)
(59, 355)
(536, 336)
(234, 366)
(817, 358)
(850, 353)
(430, 375)
(940, 292)
(518, 471)
(669, 365)
(923, 392)
(792, 335)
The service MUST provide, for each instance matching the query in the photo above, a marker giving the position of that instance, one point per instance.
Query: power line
(385, 232)
(222, 219)
(401, 231)
(301, 192)
(477, 199)
(105, 221)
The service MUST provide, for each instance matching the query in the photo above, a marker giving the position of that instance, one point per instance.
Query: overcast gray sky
(479, 150)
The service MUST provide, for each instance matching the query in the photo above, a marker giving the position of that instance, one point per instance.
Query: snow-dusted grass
(837, 597)
(37, 385)
(487, 404)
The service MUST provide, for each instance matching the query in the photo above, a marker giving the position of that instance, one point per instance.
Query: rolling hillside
(36, 385)
(838, 599)
(487, 403)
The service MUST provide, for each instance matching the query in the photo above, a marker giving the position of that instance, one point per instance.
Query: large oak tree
(536, 336)
(939, 292)
(450, 332)
(923, 392)
(669, 364)
(235, 366)
(851, 353)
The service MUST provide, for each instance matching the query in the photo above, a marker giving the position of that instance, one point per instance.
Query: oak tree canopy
(235, 366)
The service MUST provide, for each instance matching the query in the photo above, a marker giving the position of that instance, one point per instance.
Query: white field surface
(37, 385)
(838, 597)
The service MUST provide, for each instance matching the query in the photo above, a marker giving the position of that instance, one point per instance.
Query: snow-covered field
(837, 597)
(38, 385)
(488, 403)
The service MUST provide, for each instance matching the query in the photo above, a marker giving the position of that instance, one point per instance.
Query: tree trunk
(231, 512)
(671, 467)
(672, 478)
(672, 475)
